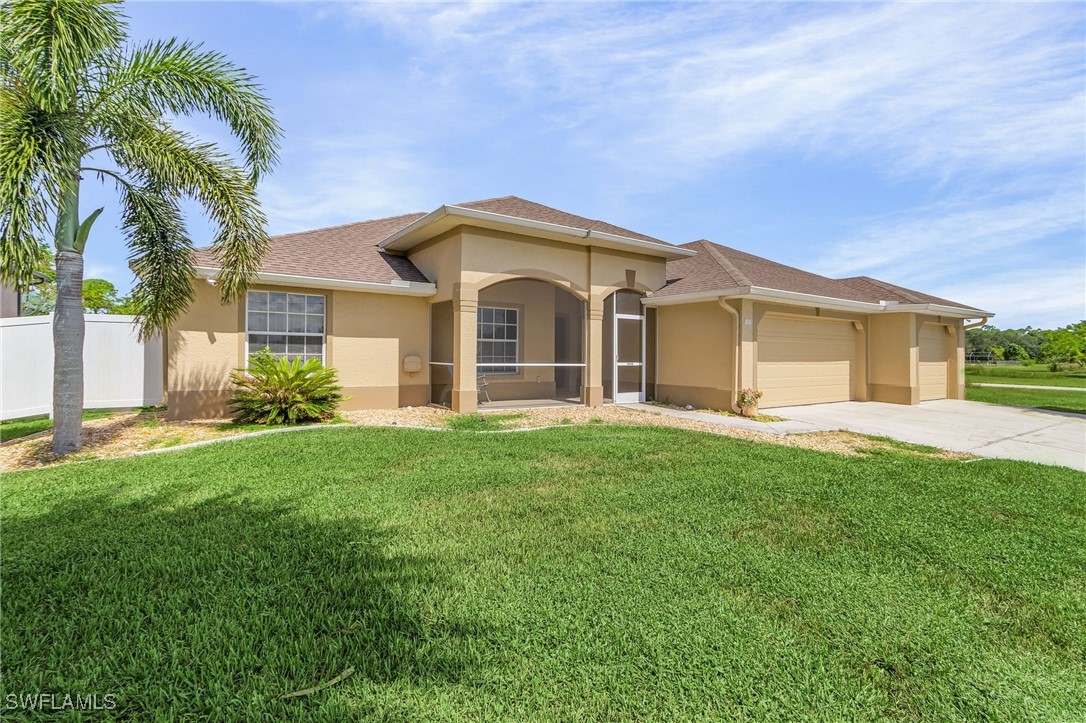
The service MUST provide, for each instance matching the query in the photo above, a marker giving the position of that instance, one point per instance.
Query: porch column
(465, 394)
(593, 378)
(747, 346)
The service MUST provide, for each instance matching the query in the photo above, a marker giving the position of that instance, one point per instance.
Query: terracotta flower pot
(750, 411)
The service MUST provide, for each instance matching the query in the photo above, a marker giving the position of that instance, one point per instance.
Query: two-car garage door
(805, 361)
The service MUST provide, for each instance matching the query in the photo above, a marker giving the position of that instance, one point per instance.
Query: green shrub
(276, 390)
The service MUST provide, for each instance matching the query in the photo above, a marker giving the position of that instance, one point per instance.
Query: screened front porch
(529, 347)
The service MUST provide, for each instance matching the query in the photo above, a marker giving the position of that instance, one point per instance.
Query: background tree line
(1066, 345)
(99, 295)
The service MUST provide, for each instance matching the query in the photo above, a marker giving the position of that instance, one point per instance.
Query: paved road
(1031, 386)
(986, 430)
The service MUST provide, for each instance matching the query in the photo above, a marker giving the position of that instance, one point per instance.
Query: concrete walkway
(1031, 386)
(986, 430)
(788, 426)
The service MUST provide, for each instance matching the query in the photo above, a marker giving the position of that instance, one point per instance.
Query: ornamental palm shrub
(276, 390)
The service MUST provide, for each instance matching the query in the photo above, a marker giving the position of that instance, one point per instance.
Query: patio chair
(482, 383)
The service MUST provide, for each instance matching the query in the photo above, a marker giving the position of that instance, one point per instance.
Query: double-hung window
(290, 325)
(496, 344)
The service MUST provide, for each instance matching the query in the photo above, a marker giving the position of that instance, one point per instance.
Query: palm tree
(74, 90)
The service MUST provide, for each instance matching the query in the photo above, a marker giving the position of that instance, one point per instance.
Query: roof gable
(521, 208)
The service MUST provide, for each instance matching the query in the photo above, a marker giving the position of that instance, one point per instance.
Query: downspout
(974, 325)
(735, 358)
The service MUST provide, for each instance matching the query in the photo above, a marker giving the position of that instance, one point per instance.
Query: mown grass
(481, 422)
(32, 425)
(1037, 375)
(577, 573)
(1057, 401)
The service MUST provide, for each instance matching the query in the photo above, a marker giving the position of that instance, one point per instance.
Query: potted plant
(748, 401)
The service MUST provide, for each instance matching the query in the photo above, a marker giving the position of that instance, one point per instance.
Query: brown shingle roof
(719, 267)
(350, 252)
(347, 252)
(520, 208)
(892, 292)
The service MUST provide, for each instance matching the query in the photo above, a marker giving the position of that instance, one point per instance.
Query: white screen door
(629, 378)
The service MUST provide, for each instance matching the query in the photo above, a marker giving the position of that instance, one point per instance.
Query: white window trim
(323, 335)
(486, 370)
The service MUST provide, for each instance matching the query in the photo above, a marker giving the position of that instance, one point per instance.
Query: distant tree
(1063, 346)
(100, 297)
(997, 353)
(1078, 330)
(982, 340)
(1015, 352)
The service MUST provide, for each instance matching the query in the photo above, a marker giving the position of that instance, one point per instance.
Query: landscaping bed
(124, 434)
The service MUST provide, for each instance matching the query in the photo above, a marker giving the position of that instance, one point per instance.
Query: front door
(629, 377)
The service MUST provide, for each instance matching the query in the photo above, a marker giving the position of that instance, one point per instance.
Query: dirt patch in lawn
(126, 433)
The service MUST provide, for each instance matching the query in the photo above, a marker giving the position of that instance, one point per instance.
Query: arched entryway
(529, 346)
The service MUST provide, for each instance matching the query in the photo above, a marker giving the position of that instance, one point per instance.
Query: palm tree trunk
(68, 328)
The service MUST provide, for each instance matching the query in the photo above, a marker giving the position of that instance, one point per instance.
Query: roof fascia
(940, 309)
(761, 293)
(405, 288)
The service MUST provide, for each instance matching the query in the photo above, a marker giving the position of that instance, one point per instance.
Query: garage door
(933, 361)
(802, 361)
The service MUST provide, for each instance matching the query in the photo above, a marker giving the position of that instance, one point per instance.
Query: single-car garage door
(805, 361)
(933, 361)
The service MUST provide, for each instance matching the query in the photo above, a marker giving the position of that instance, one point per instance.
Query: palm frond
(31, 150)
(175, 162)
(53, 44)
(160, 256)
(180, 78)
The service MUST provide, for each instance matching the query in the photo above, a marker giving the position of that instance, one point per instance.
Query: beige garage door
(933, 361)
(803, 361)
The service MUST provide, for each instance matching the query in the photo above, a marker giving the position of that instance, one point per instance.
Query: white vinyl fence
(119, 371)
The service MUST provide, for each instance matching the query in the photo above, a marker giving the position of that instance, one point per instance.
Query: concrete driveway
(986, 430)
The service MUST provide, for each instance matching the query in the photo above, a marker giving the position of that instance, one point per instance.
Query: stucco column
(861, 390)
(593, 379)
(748, 351)
(465, 393)
(957, 374)
(915, 322)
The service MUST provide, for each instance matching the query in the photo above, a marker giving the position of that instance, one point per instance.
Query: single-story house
(508, 301)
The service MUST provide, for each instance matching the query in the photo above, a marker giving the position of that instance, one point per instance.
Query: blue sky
(939, 146)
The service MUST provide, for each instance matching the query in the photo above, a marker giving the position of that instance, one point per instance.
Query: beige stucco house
(506, 301)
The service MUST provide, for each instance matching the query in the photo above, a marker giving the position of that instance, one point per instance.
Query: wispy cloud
(920, 244)
(983, 104)
(939, 88)
(347, 181)
(1045, 297)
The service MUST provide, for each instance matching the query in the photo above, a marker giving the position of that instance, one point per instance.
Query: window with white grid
(497, 340)
(290, 325)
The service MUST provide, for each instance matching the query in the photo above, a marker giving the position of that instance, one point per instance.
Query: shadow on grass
(213, 609)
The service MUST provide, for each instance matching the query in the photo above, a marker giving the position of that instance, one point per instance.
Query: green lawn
(32, 425)
(1069, 401)
(577, 573)
(1038, 375)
